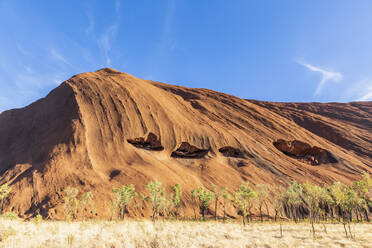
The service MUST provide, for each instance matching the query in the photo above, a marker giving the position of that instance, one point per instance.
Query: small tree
(262, 195)
(327, 200)
(335, 190)
(113, 207)
(226, 198)
(4, 192)
(279, 198)
(124, 196)
(205, 197)
(155, 191)
(244, 198)
(193, 199)
(312, 196)
(293, 198)
(85, 202)
(363, 188)
(345, 199)
(71, 202)
(217, 192)
(165, 204)
(177, 191)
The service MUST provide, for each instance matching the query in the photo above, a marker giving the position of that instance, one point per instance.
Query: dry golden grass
(17, 233)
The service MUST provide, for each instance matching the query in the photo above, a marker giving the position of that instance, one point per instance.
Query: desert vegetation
(182, 234)
(324, 210)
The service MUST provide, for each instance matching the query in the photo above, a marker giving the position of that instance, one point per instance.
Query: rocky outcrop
(306, 153)
(189, 151)
(229, 151)
(89, 134)
(151, 143)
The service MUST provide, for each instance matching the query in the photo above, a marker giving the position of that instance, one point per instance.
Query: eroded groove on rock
(151, 143)
(189, 151)
(229, 151)
(304, 152)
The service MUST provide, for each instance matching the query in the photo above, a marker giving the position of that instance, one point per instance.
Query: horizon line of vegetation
(297, 202)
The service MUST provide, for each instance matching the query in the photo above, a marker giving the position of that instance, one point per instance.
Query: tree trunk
(215, 209)
(267, 211)
(294, 214)
(312, 222)
(153, 214)
(281, 229)
(351, 235)
(345, 230)
(224, 213)
(312, 226)
(261, 212)
(351, 216)
(193, 208)
(366, 214)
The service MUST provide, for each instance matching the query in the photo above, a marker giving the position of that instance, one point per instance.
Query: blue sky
(286, 50)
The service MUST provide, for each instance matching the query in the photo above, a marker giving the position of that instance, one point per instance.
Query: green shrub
(124, 196)
(4, 192)
(71, 202)
(205, 198)
(155, 193)
(10, 215)
(38, 218)
(244, 198)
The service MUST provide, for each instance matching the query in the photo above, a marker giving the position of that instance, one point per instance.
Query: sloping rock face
(78, 135)
(304, 152)
(347, 125)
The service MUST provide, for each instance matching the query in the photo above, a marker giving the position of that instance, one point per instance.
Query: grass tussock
(18, 233)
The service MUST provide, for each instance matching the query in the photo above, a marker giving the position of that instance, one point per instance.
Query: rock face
(103, 129)
(304, 152)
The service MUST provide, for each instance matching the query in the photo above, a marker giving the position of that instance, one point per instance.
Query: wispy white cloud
(360, 90)
(91, 24)
(56, 55)
(105, 41)
(367, 96)
(166, 42)
(327, 76)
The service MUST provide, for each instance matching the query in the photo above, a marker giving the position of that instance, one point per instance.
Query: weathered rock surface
(78, 136)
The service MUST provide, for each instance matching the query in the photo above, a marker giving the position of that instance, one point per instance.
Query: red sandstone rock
(77, 136)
